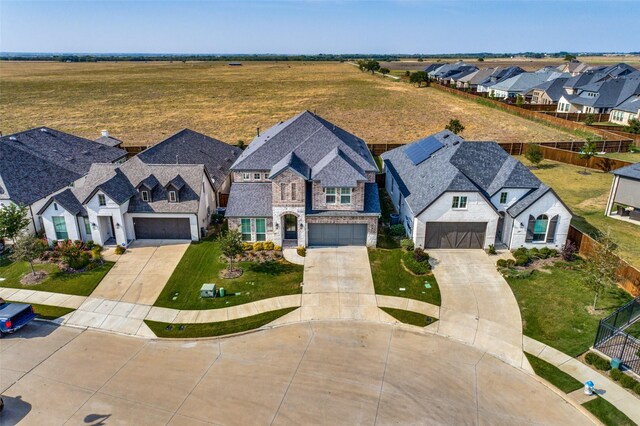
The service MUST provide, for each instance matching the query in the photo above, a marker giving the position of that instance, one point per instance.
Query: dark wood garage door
(162, 228)
(462, 235)
(333, 234)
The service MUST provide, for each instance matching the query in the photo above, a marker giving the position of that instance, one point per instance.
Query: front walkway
(478, 306)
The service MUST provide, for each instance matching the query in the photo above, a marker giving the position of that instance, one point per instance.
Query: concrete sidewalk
(478, 307)
(605, 387)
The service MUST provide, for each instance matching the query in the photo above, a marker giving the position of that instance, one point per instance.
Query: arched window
(540, 228)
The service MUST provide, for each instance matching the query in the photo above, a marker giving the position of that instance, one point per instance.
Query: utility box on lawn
(208, 291)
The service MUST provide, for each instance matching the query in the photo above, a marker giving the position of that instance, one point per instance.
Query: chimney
(258, 130)
(105, 133)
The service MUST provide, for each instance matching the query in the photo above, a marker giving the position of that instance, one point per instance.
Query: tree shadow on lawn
(272, 267)
(546, 166)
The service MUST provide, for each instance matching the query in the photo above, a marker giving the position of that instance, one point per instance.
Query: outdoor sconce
(277, 225)
(302, 226)
(94, 226)
(117, 225)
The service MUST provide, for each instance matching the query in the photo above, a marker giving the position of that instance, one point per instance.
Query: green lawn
(216, 328)
(50, 312)
(586, 196)
(409, 317)
(554, 308)
(634, 329)
(201, 264)
(553, 374)
(633, 157)
(81, 284)
(389, 276)
(607, 413)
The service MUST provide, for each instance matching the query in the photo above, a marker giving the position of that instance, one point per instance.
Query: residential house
(451, 193)
(624, 198)
(497, 75)
(433, 68)
(305, 182)
(190, 147)
(574, 67)
(549, 92)
(627, 110)
(442, 73)
(37, 163)
(521, 84)
(453, 79)
(600, 97)
(120, 203)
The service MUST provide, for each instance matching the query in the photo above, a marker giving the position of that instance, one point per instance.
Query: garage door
(162, 228)
(343, 234)
(462, 235)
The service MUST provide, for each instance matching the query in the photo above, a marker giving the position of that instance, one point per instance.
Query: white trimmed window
(261, 229)
(87, 226)
(266, 176)
(173, 197)
(345, 195)
(256, 176)
(246, 176)
(102, 200)
(503, 197)
(540, 228)
(330, 195)
(145, 196)
(459, 202)
(245, 229)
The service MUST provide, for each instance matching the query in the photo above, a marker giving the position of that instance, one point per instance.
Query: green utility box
(221, 291)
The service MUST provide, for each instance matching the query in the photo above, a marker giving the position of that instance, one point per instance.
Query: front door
(290, 227)
(499, 228)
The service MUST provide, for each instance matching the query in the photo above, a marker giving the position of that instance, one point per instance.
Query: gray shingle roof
(37, 162)
(522, 83)
(190, 147)
(553, 88)
(610, 93)
(293, 162)
(631, 105)
(631, 171)
(310, 137)
(336, 169)
(524, 203)
(68, 201)
(250, 200)
(109, 141)
(482, 167)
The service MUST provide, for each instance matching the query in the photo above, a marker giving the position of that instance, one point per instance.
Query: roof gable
(337, 170)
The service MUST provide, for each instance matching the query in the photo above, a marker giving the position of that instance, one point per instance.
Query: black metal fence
(612, 340)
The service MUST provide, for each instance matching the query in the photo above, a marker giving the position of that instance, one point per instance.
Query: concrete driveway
(478, 306)
(141, 273)
(338, 285)
(333, 373)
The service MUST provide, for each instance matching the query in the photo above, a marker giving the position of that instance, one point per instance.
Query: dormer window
(145, 196)
(173, 197)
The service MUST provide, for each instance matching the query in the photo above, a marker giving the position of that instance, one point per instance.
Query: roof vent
(43, 130)
(105, 133)
(456, 142)
(446, 136)
(13, 138)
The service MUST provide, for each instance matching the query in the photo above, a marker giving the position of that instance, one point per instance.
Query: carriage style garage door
(462, 235)
(162, 228)
(334, 234)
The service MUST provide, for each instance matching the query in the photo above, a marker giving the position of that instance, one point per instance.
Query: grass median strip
(607, 413)
(553, 374)
(211, 329)
(49, 312)
(410, 317)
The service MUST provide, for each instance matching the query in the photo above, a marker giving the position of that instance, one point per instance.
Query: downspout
(35, 228)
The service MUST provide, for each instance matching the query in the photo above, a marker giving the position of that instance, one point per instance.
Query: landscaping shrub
(407, 244)
(420, 255)
(569, 251)
(120, 250)
(247, 246)
(597, 361)
(96, 253)
(627, 382)
(616, 374)
(521, 252)
(80, 261)
(258, 246)
(397, 230)
(301, 251)
(277, 248)
(522, 260)
(54, 243)
(418, 268)
(90, 244)
(501, 263)
(511, 263)
(492, 249)
(268, 245)
(533, 252)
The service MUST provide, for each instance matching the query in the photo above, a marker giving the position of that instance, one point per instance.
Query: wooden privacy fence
(133, 150)
(574, 116)
(531, 115)
(629, 276)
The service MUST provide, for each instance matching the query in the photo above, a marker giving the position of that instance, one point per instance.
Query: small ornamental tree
(231, 245)
(454, 126)
(534, 154)
(602, 266)
(419, 77)
(27, 248)
(519, 100)
(13, 220)
(634, 126)
(588, 152)
(568, 57)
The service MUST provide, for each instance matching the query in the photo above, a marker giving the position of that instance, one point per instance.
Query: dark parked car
(14, 316)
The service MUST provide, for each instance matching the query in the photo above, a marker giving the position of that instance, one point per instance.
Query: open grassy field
(143, 103)
(528, 64)
(586, 195)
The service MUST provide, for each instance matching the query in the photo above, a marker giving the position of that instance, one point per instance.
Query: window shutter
(530, 227)
(551, 233)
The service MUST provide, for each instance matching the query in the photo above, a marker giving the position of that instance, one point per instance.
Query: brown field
(527, 64)
(143, 103)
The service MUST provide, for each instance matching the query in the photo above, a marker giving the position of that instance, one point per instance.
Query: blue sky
(319, 26)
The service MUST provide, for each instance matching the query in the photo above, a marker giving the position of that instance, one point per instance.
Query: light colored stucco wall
(513, 195)
(550, 205)
(117, 212)
(69, 219)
